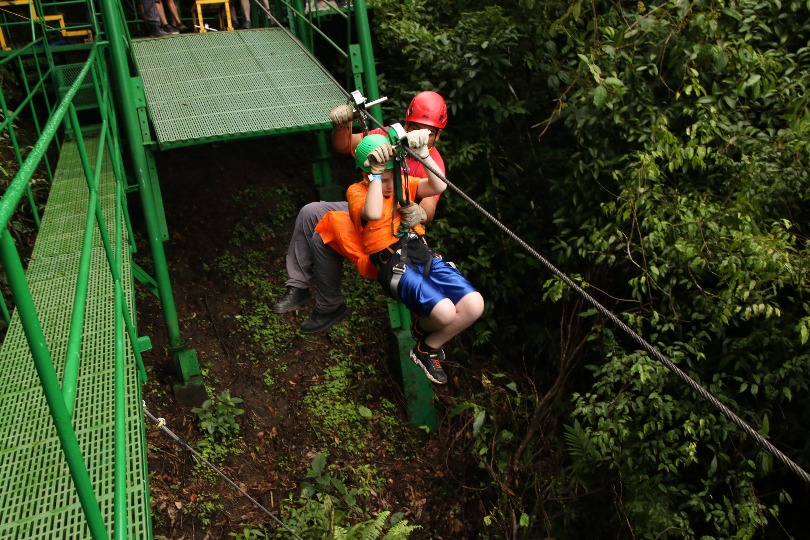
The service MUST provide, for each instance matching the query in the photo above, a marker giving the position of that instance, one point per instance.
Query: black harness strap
(394, 261)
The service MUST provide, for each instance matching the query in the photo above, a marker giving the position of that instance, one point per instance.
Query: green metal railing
(79, 102)
(61, 397)
(60, 21)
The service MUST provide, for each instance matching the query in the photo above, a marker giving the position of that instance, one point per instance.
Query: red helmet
(427, 108)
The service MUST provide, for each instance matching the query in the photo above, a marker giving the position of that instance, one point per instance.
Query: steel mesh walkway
(205, 87)
(37, 496)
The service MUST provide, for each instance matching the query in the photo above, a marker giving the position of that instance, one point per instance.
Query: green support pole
(327, 190)
(356, 62)
(417, 388)
(189, 389)
(300, 27)
(367, 54)
(50, 385)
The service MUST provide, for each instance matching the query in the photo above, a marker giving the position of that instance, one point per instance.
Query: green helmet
(367, 144)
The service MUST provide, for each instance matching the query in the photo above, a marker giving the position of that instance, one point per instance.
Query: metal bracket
(398, 134)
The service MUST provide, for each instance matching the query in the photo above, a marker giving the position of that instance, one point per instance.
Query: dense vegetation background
(659, 154)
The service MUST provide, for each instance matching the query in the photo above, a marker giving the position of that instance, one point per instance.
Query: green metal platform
(223, 85)
(37, 495)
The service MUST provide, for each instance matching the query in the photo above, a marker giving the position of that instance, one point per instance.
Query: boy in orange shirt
(442, 299)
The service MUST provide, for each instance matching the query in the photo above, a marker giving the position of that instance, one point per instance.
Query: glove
(412, 215)
(418, 141)
(379, 158)
(341, 115)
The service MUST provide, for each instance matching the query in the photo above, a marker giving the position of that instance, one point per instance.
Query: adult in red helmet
(428, 109)
(309, 260)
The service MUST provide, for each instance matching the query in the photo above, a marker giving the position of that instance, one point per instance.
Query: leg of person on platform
(300, 264)
(329, 305)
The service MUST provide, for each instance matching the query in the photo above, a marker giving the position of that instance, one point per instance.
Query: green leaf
(479, 421)
(599, 96)
(318, 465)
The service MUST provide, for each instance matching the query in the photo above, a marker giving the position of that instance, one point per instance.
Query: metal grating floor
(37, 496)
(220, 85)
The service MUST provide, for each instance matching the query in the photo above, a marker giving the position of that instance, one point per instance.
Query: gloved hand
(379, 157)
(412, 215)
(341, 115)
(418, 141)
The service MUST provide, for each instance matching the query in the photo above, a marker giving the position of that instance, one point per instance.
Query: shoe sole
(423, 368)
(329, 325)
(293, 308)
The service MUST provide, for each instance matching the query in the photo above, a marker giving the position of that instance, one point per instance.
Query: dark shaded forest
(657, 154)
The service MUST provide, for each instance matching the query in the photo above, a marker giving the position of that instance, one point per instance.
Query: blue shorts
(421, 295)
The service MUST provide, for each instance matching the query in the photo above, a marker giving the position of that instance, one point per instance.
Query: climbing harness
(160, 423)
(705, 394)
(394, 261)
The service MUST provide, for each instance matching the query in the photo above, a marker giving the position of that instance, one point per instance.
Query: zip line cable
(705, 394)
(160, 423)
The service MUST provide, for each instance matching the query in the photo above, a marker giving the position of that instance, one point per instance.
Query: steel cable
(705, 394)
(160, 423)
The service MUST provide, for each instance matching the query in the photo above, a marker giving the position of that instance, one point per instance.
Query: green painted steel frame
(112, 14)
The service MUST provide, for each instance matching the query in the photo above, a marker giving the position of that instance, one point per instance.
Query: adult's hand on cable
(418, 142)
(379, 158)
(341, 115)
(412, 215)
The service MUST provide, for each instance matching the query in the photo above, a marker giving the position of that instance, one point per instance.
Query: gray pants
(310, 260)
(150, 12)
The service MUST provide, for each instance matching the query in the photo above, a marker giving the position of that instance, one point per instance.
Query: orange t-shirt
(379, 234)
(337, 231)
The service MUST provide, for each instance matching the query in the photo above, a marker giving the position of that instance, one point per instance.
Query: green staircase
(37, 494)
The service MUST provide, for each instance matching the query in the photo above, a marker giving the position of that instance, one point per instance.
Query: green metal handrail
(32, 50)
(298, 12)
(24, 19)
(61, 399)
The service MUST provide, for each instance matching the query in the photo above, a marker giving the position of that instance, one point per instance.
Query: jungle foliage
(660, 154)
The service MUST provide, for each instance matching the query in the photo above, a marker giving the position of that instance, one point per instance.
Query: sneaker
(246, 25)
(430, 361)
(292, 299)
(169, 29)
(182, 28)
(321, 320)
(155, 30)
